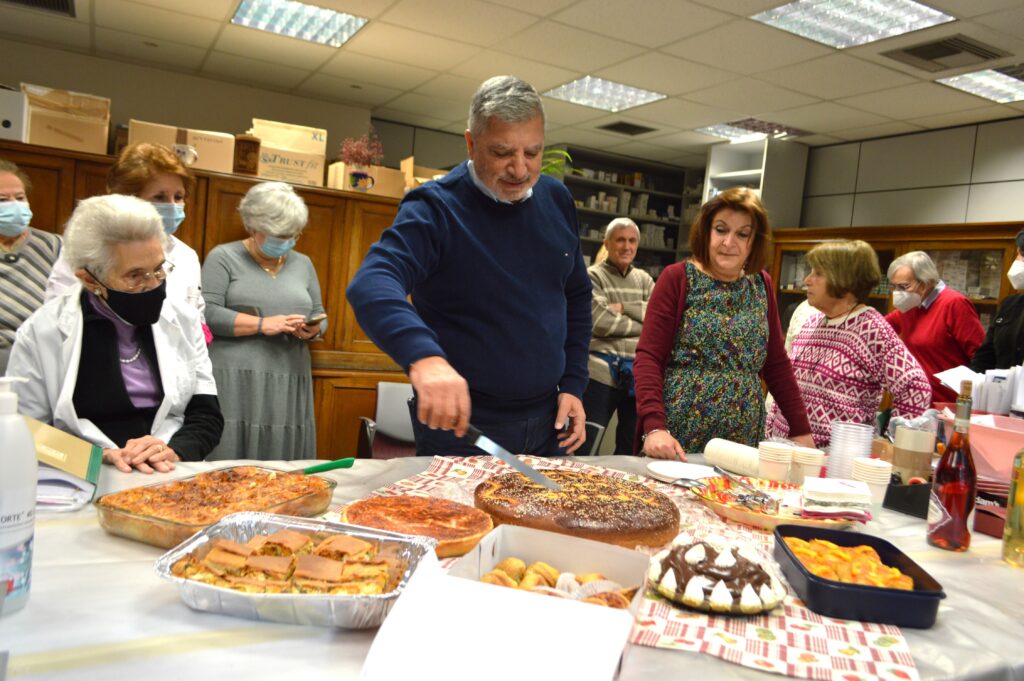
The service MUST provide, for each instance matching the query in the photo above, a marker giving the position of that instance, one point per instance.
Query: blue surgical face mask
(173, 214)
(15, 217)
(275, 248)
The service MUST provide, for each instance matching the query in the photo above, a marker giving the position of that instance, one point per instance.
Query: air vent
(1015, 71)
(65, 7)
(949, 53)
(624, 128)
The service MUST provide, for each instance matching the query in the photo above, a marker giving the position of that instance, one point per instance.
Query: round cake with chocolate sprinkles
(589, 505)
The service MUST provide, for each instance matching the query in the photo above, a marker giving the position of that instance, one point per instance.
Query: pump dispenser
(18, 476)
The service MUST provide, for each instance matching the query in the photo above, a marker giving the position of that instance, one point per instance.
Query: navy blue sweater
(499, 290)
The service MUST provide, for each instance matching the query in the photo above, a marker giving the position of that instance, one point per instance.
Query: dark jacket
(1003, 346)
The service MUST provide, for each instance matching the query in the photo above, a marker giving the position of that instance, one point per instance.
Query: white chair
(595, 433)
(389, 434)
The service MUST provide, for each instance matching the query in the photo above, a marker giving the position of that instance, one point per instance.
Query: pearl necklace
(129, 360)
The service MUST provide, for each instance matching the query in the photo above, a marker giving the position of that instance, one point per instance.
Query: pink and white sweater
(843, 365)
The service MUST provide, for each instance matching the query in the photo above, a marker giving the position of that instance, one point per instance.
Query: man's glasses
(904, 287)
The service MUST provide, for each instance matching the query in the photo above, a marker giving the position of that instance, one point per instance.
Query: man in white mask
(937, 324)
(1004, 342)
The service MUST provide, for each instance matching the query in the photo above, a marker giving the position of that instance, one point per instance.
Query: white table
(97, 610)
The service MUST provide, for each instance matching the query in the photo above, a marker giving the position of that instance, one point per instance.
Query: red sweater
(664, 315)
(944, 336)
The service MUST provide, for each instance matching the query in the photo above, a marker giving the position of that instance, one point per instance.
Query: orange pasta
(850, 564)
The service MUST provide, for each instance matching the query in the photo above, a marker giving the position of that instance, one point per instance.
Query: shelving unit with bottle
(661, 199)
(773, 167)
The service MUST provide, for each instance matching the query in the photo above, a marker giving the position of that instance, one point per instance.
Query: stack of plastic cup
(807, 463)
(876, 474)
(773, 460)
(849, 441)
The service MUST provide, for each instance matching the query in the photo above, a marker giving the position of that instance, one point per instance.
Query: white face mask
(905, 301)
(1016, 275)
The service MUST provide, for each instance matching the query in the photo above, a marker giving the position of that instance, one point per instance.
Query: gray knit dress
(264, 383)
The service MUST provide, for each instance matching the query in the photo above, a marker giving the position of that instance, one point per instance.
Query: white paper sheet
(951, 378)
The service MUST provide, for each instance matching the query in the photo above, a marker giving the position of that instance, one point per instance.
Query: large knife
(494, 449)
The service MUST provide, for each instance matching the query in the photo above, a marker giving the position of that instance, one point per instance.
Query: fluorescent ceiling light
(298, 20)
(845, 23)
(750, 129)
(603, 94)
(731, 133)
(989, 84)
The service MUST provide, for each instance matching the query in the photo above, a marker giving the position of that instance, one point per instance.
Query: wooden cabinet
(52, 195)
(340, 399)
(972, 258)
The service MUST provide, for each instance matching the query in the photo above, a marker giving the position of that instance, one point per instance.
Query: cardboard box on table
(291, 153)
(66, 120)
(214, 150)
(13, 115)
(386, 181)
(416, 175)
(455, 627)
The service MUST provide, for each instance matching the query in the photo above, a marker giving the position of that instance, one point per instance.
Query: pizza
(589, 505)
(456, 527)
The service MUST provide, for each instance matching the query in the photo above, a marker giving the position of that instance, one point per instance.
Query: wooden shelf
(655, 249)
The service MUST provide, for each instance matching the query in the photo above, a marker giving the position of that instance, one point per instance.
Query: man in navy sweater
(499, 324)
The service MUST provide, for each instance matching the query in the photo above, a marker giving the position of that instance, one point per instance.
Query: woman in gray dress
(259, 294)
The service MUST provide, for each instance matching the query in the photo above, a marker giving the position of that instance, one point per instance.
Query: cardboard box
(290, 137)
(13, 115)
(386, 181)
(213, 150)
(587, 643)
(67, 120)
(416, 175)
(291, 166)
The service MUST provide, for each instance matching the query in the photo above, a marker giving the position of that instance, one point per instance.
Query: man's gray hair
(617, 224)
(506, 98)
(100, 222)
(920, 265)
(274, 209)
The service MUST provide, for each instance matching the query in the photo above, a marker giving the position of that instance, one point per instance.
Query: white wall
(161, 96)
(972, 173)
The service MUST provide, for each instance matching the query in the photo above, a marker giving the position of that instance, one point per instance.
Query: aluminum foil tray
(329, 610)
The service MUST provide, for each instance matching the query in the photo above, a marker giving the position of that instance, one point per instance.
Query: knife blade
(494, 449)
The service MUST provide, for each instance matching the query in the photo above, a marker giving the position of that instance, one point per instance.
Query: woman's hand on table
(804, 440)
(282, 323)
(146, 454)
(660, 444)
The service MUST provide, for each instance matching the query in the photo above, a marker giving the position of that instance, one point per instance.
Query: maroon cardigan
(661, 323)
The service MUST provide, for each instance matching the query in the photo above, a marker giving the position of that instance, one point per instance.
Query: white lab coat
(184, 284)
(48, 346)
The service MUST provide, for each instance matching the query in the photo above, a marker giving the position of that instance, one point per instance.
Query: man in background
(618, 305)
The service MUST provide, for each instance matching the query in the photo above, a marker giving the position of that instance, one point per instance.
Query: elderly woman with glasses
(113, 360)
(263, 305)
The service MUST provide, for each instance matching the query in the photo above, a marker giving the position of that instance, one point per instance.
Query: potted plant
(358, 154)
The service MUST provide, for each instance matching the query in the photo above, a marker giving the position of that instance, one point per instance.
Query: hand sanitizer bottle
(18, 476)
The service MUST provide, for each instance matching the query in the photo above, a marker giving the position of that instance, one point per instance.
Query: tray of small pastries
(167, 513)
(278, 568)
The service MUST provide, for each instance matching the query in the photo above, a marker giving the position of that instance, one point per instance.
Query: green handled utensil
(327, 466)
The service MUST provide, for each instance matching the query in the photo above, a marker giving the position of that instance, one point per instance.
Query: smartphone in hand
(316, 319)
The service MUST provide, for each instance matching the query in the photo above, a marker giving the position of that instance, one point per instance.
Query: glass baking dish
(163, 530)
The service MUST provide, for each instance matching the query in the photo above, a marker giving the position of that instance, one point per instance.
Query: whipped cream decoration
(749, 598)
(668, 581)
(696, 554)
(694, 592)
(720, 596)
(725, 559)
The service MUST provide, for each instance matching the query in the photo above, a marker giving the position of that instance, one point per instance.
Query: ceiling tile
(644, 150)
(539, 7)
(409, 118)
(680, 113)
(583, 138)
(347, 91)
(248, 42)
(444, 109)
(763, 47)
(666, 74)
(690, 142)
(220, 10)
(1009, 21)
(873, 131)
(42, 27)
(363, 69)
(645, 22)
(540, 76)
(987, 113)
(751, 96)
(691, 161)
(558, 112)
(252, 71)
(164, 24)
(818, 140)
(145, 49)
(571, 48)
(447, 86)
(971, 8)
(469, 21)
(914, 101)
(836, 76)
(743, 8)
(409, 47)
(825, 117)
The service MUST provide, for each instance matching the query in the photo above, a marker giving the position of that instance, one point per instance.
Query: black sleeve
(201, 431)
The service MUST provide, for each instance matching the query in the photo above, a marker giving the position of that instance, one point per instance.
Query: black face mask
(138, 309)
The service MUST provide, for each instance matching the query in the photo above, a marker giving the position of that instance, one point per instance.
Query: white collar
(490, 194)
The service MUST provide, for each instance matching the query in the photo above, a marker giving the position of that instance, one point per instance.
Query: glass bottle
(955, 484)
(1013, 530)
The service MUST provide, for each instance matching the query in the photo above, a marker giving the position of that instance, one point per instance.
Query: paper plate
(717, 498)
(667, 471)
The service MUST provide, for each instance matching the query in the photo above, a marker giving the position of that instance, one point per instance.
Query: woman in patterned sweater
(846, 354)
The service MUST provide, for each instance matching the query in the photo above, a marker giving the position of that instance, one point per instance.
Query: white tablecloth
(97, 610)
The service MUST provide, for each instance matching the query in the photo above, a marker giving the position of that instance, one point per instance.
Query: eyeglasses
(904, 287)
(137, 280)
